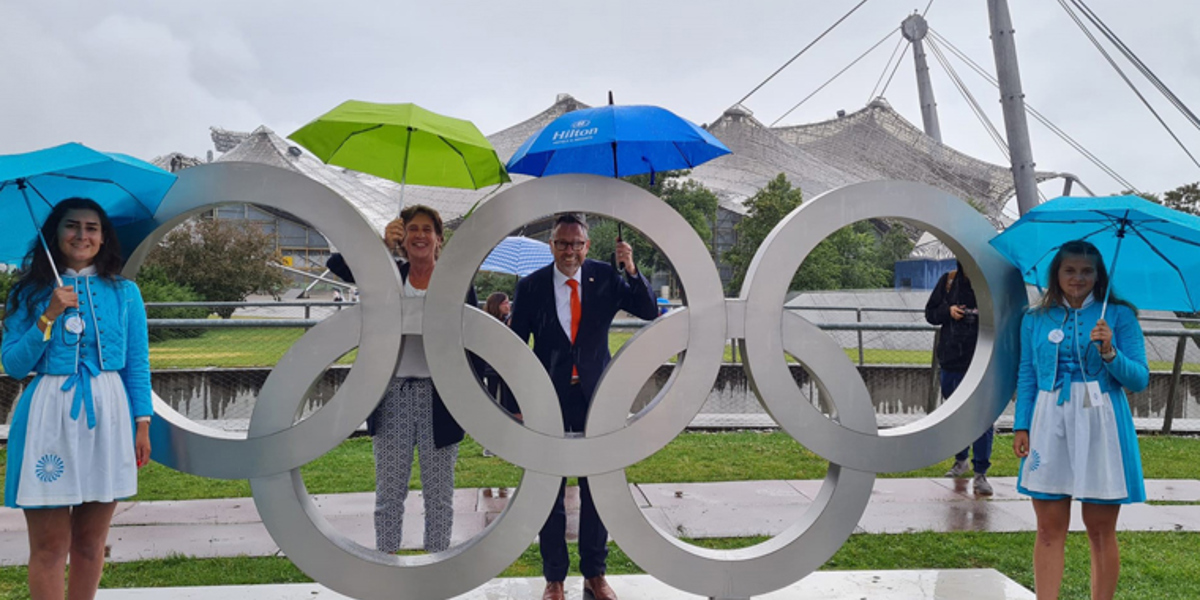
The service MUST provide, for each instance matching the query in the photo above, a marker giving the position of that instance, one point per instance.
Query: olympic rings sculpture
(276, 445)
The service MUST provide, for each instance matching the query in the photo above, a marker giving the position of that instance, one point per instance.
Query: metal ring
(341, 564)
(990, 380)
(609, 450)
(780, 561)
(183, 444)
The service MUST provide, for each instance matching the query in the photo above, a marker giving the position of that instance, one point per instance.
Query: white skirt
(65, 463)
(1074, 449)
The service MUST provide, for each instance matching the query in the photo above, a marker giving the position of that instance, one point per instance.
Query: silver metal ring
(599, 451)
(341, 564)
(990, 380)
(183, 444)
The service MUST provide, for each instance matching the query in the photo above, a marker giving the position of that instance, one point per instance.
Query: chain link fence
(213, 374)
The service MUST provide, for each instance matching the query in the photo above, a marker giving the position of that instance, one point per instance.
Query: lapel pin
(591, 279)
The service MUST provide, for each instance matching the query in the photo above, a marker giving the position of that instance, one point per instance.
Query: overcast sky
(147, 77)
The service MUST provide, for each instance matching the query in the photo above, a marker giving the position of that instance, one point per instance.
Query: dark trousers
(593, 536)
(982, 446)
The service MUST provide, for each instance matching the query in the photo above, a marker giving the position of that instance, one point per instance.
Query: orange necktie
(576, 313)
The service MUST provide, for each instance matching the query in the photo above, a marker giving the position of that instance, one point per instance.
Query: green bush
(7, 279)
(157, 286)
(487, 282)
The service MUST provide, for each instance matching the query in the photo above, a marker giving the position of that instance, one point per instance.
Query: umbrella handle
(620, 265)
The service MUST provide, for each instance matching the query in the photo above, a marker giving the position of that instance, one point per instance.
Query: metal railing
(860, 346)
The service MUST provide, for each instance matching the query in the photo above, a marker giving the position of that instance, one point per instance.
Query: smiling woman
(1073, 429)
(86, 341)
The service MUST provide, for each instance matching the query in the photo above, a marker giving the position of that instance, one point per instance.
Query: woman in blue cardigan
(1073, 429)
(81, 429)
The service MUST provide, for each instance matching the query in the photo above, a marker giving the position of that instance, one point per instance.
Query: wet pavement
(978, 584)
(232, 527)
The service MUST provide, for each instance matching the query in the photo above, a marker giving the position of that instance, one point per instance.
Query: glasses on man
(564, 245)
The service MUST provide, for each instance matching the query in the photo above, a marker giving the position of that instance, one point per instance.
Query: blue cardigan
(115, 338)
(1039, 355)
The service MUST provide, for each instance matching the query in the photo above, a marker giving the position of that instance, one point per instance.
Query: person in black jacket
(567, 308)
(952, 306)
(411, 414)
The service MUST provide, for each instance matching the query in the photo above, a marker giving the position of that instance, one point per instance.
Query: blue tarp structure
(921, 273)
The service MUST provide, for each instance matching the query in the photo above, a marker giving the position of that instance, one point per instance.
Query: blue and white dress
(72, 436)
(1082, 445)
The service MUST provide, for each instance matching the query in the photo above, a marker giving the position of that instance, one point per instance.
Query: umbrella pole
(404, 170)
(1112, 273)
(33, 218)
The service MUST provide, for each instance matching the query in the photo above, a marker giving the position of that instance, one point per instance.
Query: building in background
(870, 144)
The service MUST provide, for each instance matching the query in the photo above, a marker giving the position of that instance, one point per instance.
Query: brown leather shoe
(554, 591)
(596, 588)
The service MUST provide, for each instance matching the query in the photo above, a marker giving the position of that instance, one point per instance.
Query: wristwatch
(1108, 356)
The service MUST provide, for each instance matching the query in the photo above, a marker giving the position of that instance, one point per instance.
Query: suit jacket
(603, 293)
(446, 430)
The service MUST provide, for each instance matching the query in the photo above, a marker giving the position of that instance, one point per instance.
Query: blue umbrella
(518, 256)
(32, 183)
(1159, 248)
(616, 141)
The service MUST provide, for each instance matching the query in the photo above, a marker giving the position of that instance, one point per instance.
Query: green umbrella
(404, 143)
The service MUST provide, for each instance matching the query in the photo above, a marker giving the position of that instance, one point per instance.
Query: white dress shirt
(562, 297)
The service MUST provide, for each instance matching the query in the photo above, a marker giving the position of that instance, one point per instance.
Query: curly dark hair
(37, 276)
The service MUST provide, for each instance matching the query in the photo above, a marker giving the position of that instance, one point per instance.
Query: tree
(1185, 198)
(7, 280)
(221, 260)
(694, 202)
(764, 211)
(157, 286)
(487, 283)
(856, 256)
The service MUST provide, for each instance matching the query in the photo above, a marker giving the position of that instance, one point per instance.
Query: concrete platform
(978, 584)
(232, 527)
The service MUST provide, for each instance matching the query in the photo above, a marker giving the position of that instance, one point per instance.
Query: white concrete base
(978, 584)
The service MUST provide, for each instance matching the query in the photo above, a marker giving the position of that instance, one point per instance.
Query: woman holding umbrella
(411, 414)
(1073, 428)
(82, 427)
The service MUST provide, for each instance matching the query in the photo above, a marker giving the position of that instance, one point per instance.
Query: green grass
(229, 348)
(871, 356)
(691, 457)
(1153, 565)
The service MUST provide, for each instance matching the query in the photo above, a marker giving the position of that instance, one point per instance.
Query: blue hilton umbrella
(616, 141)
(1152, 252)
(518, 256)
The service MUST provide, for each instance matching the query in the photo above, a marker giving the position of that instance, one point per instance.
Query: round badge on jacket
(74, 324)
(1056, 336)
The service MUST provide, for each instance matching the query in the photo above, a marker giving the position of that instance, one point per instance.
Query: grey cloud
(149, 77)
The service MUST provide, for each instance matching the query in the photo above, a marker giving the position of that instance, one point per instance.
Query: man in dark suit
(568, 307)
